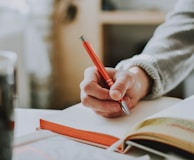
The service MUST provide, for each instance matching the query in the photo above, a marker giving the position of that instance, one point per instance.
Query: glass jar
(7, 96)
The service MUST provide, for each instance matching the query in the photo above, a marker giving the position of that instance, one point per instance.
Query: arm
(168, 57)
(166, 60)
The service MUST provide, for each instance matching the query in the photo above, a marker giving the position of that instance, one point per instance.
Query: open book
(167, 120)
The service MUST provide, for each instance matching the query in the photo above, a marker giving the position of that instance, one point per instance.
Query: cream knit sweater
(169, 55)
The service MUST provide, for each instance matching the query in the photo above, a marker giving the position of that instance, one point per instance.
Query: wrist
(143, 78)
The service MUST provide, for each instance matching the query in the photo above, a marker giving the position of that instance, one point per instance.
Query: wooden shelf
(142, 17)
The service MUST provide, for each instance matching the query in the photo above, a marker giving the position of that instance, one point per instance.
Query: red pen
(102, 70)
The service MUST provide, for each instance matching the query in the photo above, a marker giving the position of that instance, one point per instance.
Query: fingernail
(116, 94)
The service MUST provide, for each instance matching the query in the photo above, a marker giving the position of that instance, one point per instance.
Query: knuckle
(85, 101)
(86, 87)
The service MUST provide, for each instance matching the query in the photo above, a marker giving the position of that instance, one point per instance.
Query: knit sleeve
(168, 57)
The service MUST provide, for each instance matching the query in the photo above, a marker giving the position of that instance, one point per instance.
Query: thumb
(119, 89)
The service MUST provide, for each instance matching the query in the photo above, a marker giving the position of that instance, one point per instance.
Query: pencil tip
(124, 107)
(82, 38)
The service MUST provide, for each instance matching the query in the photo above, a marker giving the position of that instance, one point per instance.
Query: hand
(132, 85)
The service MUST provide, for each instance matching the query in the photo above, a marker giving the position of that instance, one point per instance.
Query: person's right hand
(131, 85)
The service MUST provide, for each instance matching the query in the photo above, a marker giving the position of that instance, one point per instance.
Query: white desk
(27, 120)
(58, 147)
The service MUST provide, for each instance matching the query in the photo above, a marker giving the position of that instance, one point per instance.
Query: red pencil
(102, 70)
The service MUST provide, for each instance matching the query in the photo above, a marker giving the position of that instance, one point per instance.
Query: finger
(110, 115)
(91, 74)
(124, 81)
(98, 105)
(94, 85)
(93, 89)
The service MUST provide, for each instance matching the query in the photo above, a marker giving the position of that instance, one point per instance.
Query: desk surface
(27, 120)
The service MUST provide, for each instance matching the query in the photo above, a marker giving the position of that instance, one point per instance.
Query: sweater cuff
(147, 63)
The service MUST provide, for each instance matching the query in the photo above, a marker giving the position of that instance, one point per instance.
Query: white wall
(25, 28)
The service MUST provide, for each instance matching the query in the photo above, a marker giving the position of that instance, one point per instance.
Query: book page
(173, 126)
(175, 132)
(181, 110)
(83, 118)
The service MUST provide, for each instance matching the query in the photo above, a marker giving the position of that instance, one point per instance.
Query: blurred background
(51, 60)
